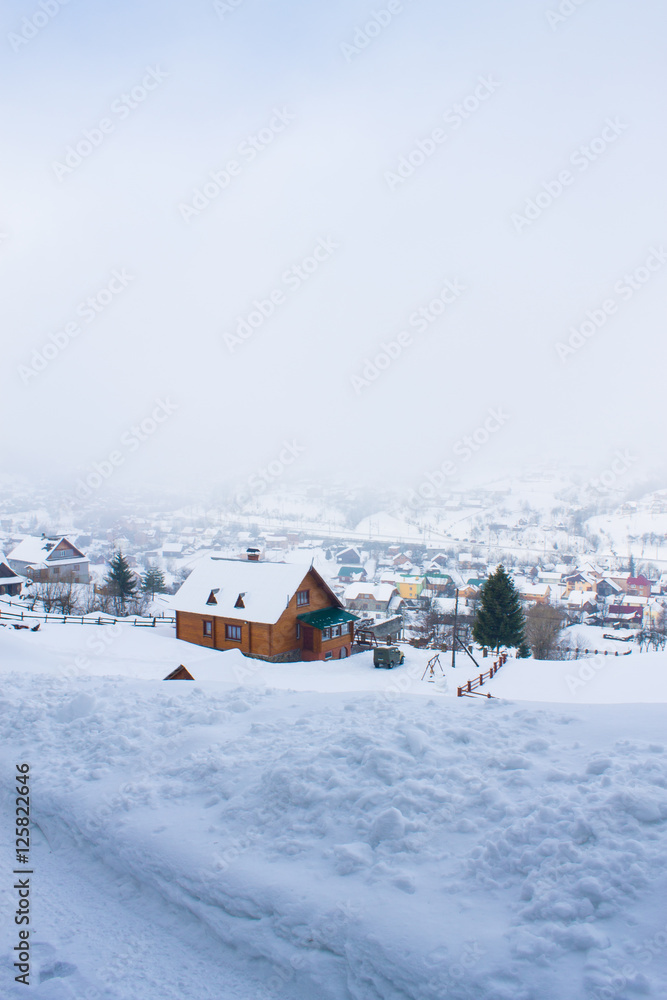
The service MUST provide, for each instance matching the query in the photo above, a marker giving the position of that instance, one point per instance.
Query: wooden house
(278, 612)
(10, 582)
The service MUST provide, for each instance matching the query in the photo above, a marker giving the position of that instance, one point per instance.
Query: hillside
(334, 831)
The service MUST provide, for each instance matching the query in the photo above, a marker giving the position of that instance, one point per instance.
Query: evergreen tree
(120, 580)
(500, 620)
(153, 582)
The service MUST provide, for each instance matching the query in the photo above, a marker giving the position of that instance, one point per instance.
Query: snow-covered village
(360, 794)
(333, 501)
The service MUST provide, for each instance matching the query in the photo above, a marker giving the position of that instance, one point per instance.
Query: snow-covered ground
(334, 831)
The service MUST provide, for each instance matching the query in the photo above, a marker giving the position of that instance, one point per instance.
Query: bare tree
(48, 593)
(543, 625)
(67, 598)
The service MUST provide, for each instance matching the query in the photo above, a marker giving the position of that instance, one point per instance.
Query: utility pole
(456, 612)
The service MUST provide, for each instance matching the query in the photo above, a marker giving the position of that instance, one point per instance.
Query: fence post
(469, 688)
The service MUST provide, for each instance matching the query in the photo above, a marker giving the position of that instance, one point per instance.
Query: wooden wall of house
(189, 628)
(284, 631)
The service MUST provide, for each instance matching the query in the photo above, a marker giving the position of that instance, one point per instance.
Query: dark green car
(388, 656)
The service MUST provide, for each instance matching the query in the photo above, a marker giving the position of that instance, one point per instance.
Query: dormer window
(239, 601)
(211, 596)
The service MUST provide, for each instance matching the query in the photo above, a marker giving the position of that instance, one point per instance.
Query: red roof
(638, 581)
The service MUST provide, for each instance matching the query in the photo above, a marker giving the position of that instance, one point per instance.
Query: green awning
(327, 617)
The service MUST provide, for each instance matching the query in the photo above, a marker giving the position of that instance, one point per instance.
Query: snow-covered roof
(266, 588)
(578, 598)
(377, 591)
(35, 550)
(7, 574)
(536, 589)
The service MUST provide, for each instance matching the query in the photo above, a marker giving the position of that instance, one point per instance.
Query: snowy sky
(373, 160)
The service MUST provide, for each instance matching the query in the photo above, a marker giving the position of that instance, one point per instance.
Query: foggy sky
(565, 110)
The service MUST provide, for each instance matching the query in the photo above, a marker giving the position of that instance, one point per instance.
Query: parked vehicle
(388, 657)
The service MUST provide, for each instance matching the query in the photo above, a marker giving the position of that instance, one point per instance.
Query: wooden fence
(145, 622)
(470, 687)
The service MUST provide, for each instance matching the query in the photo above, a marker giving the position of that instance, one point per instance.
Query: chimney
(253, 555)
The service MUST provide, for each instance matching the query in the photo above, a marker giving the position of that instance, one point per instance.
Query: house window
(326, 634)
(233, 632)
(328, 655)
(302, 597)
(208, 629)
(335, 631)
(298, 630)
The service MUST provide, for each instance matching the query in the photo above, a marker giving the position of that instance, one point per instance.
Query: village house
(378, 598)
(579, 581)
(49, 560)
(272, 611)
(349, 556)
(409, 585)
(628, 615)
(638, 586)
(536, 593)
(351, 574)
(10, 582)
(441, 584)
(469, 593)
(581, 602)
(607, 588)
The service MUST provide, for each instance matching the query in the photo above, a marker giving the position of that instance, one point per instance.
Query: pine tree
(500, 620)
(153, 582)
(121, 581)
